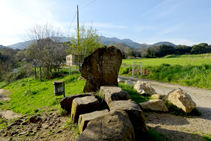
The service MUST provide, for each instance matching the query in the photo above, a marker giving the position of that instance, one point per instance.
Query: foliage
(83, 43)
(23, 72)
(163, 50)
(207, 137)
(154, 136)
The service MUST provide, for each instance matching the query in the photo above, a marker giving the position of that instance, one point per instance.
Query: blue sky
(186, 22)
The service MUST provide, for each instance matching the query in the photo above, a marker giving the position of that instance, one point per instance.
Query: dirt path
(8, 114)
(181, 128)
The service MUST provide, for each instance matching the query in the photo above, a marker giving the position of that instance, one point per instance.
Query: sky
(185, 22)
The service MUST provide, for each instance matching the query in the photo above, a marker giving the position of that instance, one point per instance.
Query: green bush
(125, 70)
(23, 72)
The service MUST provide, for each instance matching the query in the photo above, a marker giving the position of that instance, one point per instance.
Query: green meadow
(183, 60)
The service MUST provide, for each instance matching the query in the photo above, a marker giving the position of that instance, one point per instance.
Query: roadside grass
(30, 96)
(196, 76)
(138, 98)
(207, 137)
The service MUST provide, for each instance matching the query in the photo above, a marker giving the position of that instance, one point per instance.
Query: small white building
(70, 59)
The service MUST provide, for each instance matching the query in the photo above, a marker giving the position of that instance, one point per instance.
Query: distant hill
(105, 40)
(114, 40)
(165, 43)
(1, 46)
(21, 45)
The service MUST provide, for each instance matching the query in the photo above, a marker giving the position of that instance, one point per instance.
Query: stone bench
(83, 105)
(85, 118)
(114, 126)
(135, 114)
(113, 93)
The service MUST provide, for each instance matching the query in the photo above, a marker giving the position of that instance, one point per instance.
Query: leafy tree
(83, 43)
(182, 49)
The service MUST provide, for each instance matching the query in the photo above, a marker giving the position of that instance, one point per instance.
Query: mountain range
(105, 40)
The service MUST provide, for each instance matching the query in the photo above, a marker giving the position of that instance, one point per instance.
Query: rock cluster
(123, 120)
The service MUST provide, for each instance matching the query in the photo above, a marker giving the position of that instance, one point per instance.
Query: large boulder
(85, 118)
(112, 93)
(154, 105)
(101, 68)
(144, 87)
(181, 99)
(83, 105)
(114, 126)
(135, 114)
(66, 102)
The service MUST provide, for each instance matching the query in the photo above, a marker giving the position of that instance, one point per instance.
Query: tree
(127, 51)
(143, 49)
(47, 46)
(83, 43)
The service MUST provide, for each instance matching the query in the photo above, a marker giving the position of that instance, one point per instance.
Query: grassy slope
(30, 95)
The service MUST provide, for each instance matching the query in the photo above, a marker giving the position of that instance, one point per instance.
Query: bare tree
(143, 49)
(47, 46)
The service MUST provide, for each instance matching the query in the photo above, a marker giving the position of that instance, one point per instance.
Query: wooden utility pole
(78, 24)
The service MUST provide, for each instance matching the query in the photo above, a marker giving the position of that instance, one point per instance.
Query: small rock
(22, 133)
(144, 87)
(5, 134)
(154, 105)
(25, 123)
(120, 80)
(34, 119)
(128, 82)
(10, 126)
(81, 78)
(59, 131)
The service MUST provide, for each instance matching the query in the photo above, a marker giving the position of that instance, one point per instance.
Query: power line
(72, 21)
(87, 4)
(76, 13)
